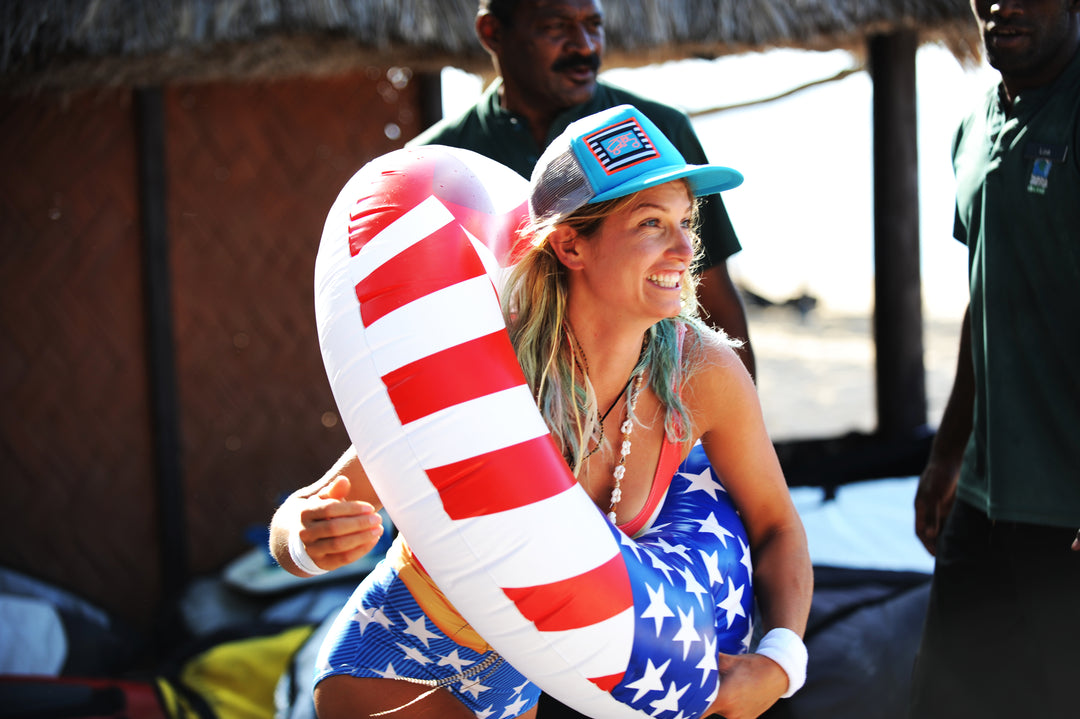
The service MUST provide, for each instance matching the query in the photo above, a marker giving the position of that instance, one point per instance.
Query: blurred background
(805, 214)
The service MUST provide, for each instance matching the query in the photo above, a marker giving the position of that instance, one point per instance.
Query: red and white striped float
(428, 387)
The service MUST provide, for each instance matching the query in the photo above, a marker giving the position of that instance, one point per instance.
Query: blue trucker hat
(610, 154)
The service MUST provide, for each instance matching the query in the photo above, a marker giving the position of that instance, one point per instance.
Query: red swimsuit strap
(670, 459)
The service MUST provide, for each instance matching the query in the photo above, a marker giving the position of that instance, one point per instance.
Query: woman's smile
(667, 280)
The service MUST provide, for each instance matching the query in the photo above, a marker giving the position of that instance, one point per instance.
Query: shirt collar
(493, 114)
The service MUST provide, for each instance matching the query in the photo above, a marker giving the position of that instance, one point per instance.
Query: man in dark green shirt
(547, 53)
(999, 501)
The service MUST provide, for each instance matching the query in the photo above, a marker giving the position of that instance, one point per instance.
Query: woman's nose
(684, 243)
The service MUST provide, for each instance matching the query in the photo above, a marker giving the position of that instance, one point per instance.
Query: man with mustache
(998, 503)
(546, 54)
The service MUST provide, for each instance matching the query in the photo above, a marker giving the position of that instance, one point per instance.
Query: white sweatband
(301, 558)
(785, 648)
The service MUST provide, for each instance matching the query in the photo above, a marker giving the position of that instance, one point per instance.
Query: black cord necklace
(617, 398)
(585, 365)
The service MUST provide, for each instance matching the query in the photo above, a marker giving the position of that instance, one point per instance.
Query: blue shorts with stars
(382, 633)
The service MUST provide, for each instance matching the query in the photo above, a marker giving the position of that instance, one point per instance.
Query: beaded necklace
(619, 471)
(624, 450)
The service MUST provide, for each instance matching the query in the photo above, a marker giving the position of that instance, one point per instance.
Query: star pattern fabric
(692, 600)
(695, 595)
(382, 632)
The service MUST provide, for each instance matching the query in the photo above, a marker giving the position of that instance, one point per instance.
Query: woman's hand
(335, 530)
(336, 519)
(749, 684)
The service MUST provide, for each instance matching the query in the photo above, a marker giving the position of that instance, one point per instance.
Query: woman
(602, 316)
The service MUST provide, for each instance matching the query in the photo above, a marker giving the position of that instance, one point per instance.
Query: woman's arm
(727, 416)
(335, 519)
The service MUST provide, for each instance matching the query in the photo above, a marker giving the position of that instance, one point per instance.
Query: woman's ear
(567, 244)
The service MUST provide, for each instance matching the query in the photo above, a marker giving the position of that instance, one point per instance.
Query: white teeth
(670, 281)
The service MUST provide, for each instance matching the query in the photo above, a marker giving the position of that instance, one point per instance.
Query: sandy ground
(816, 373)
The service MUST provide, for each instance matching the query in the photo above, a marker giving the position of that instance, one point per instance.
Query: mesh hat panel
(559, 186)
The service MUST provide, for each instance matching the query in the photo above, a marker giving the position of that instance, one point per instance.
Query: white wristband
(785, 648)
(301, 558)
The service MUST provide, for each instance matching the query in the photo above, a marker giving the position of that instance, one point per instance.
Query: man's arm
(723, 308)
(937, 485)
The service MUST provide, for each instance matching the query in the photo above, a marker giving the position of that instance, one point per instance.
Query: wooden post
(164, 404)
(430, 84)
(901, 380)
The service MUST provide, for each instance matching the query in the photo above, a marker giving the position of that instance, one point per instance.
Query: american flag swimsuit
(384, 631)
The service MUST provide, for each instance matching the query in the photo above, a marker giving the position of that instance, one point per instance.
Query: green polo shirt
(503, 136)
(1018, 212)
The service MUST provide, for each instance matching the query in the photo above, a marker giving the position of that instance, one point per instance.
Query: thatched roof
(110, 42)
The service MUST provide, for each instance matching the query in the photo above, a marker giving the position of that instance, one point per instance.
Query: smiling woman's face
(635, 264)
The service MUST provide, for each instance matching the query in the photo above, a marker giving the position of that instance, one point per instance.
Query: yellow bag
(233, 679)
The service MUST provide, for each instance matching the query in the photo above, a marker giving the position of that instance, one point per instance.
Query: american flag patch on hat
(621, 145)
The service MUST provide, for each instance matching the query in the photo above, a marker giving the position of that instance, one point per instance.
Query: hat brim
(703, 179)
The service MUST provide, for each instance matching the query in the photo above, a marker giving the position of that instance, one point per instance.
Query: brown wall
(251, 171)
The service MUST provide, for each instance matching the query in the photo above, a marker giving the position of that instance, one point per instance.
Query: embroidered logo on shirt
(1040, 176)
(621, 145)
(1044, 156)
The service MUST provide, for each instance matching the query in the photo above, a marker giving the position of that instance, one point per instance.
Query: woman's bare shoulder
(718, 387)
(711, 352)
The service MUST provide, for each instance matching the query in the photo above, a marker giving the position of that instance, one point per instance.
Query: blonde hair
(534, 304)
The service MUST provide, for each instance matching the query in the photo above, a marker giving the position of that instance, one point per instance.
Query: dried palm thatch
(710, 28)
(120, 42)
